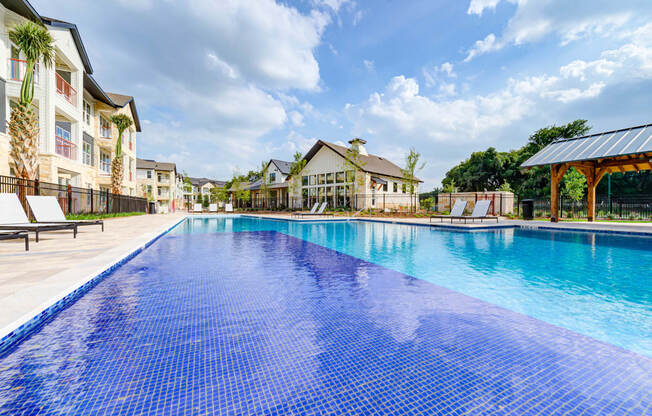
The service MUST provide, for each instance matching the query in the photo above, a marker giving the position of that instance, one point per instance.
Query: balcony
(66, 90)
(65, 148)
(17, 69)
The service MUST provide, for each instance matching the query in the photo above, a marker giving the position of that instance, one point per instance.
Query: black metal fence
(383, 202)
(624, 207)
(73, 200)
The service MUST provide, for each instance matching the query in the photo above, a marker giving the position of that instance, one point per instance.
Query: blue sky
(222, 85)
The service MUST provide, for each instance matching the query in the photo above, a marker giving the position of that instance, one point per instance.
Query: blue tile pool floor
(259, 322)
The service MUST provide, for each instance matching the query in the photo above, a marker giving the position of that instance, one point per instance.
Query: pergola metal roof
(624, 142)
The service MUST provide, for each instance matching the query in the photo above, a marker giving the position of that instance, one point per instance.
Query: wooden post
(554, 193)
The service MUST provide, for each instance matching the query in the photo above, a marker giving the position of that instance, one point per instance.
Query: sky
(222, 85)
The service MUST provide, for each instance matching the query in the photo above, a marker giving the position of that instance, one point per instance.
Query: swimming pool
(242, 315)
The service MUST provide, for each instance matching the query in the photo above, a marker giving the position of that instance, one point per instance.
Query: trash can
(528, 209)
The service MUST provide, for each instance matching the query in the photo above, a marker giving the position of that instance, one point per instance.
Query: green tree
(219, 195)
(354, 166)
(264, 180)
(450, 187)
(37, 44)
(237, 186)
(206, 201)
(574, 185)
(505, 187)
(412, 166)
(295, 173)
(122, 123)
(490, 169)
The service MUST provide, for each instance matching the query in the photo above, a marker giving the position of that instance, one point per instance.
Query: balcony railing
(17, 69)
(65, 89)
(66, 148)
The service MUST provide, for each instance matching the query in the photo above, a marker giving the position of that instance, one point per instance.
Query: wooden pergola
(594, 156)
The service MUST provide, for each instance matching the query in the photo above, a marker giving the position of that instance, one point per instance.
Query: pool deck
(32, 281)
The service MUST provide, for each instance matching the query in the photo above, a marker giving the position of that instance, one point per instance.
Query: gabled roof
(282, 165)
(369, 163)
(615, 143)
(76, 38)
(203, 181)
(121, 101)
(96, 90)
(152, 164)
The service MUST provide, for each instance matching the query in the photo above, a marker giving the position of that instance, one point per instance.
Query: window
(385, 187)
(131, 139)
(321, 179)
(313, 180)
(149, 174)
(105, 162)
(395, 186)
(88, 153)
(404, 188)
(350, 175)
(339, 177)
(88, 113)
(304, 181)
(272, 177)
(105, 127)
(329, 178)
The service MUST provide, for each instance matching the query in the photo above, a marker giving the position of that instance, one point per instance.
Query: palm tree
(36, 43)
(122, 123)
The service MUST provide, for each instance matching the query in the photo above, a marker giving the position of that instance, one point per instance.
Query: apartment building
(272, 191)
(202, 187)
(157, 181)
(328, 176)
(77, 141)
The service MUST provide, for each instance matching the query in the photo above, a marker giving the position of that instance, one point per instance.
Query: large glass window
(149, 174)
(339, 177)
(105, 127)
(395, 186)
(404, 188)
(321, 179)
(330, 177)
(385, 187)
(313, 180)
(330, 193)
(88, 113)
(272, 177)
(304, 180)
(320, 194)
(88, 153)
(105, 162)
(350, 176)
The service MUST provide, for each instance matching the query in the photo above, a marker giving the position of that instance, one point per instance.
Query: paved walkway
(30, 281)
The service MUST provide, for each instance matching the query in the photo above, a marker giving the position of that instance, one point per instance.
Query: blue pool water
(248, 316)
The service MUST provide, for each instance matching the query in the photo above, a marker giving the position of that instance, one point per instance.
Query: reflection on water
(597, 284)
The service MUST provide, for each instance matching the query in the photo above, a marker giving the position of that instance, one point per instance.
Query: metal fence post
(37, 188)
(107, 201)
(69, 200)
(92, 201)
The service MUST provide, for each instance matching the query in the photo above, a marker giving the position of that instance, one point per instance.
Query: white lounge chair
(479, 212)
(197, 208)
(320, 212)
(312, 210)
(212, 208)
(456, 212)
(228, 207)
(13, 217)
(47, 209)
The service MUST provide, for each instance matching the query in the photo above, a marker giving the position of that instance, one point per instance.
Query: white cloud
(296, 118)
(567, 20)
(370, 65)
(488, 44)
(434, 74)
(478, 6)
(447, 89)
(334, 5)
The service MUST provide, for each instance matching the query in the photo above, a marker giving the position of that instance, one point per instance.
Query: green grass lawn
(101, 216)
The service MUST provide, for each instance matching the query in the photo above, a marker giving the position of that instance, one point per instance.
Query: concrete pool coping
(32, 307)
